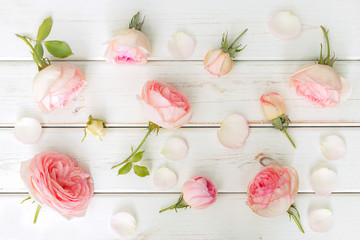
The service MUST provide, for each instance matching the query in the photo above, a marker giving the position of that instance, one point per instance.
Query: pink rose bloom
(55, 180)
(164, 105)
(199, 192)
(218, 62)
(129, 46)
(273, 105)
(56, 85)
(273, 190)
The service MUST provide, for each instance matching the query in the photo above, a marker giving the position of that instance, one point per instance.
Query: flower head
(273, 105)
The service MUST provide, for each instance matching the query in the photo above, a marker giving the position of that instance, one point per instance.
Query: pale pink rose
(55, 180)
(273, 190)
(199, 192)
(272, 105)
(318, 83)
(164, 105)
(56, 85)
(129, 46)
(218, 62)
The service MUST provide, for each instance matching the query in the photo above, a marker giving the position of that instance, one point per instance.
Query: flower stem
(288, 136)
(327, 41)
(180, 204)
(37, 213)
(238, 38)
(294, 214)
(38, 61)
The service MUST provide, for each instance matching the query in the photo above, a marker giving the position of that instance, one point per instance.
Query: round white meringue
(284, 25)
(333, 147)
(164, 178)
(321, 220)
(181, 46)
(233, 131)
(175, 148)
(28, 130)
(124, 224)
(324, 180)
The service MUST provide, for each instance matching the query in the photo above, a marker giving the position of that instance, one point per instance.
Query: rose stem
(293, 216)
(288, 136)
(238, 38)
(37, 213)
(180, 204)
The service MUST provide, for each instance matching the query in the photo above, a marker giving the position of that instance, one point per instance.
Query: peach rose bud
(129, 46)
(273, 105)
(219, 61)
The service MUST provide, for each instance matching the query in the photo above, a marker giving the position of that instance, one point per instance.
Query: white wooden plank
(87, 25)
(111, 92)
(230, 170)
(228, 218)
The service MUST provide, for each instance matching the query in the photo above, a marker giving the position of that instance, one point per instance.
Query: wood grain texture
(87, 26)
(111, 92)
(230, 170)
(228, 218)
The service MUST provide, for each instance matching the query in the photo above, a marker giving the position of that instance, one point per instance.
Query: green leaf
(277, 123)
(39, 50)
(58, 49)
(125, 169)
(138, 156)
(44, 29)
(141, 171)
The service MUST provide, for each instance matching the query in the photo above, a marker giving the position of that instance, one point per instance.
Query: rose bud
(129, 45)
(96, 127)
(320, 83)
(56, 85)
(273, 191)
(274, 110)
(55, 180)
(219, 61)
(197, 193)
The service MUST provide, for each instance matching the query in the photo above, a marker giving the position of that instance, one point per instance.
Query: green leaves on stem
(180, 204)
(56, 48)
(231, 49)
(295, 215)
(136, 156)
(328, 60)
(282, 124)
(134, 23)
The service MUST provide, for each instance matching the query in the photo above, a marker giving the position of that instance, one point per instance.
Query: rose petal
(175, 148)
(321, 220)
(324, 180)
(346, 89)
(333, 147)
(164, 178)
(123, 223)
(233, 131)
(181, 46)
(284, 25)
(28, 130)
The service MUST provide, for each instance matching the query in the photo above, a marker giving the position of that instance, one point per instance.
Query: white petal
(233, 131)
(28, 130)
(333, 147)
(346, 89)
(285, 25)
(123, 223)
(175, 148)
(321, 220)
(181, 46)
(164, 178)
(324, 180)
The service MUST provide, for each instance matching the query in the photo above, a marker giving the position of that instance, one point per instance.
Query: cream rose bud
(218, 63)
(96, 127)
(272, 105)
(128, 46)
(56, 85)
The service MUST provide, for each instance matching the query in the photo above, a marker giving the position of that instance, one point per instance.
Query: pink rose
(218, 62)
(273, 105)
(55, 180)
(164, 105)
(273, 190)
(56, 85)
(128, 46)
(197, 192)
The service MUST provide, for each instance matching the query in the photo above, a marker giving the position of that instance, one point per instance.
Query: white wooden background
(264, 66)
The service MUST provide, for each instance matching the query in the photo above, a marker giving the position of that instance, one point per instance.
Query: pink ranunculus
(56, 85)
(55, 180)
(273, 190)
(318, 83)
(129, 46)
(164, 105)
(199, 192)
(273, 105)
(218, 62)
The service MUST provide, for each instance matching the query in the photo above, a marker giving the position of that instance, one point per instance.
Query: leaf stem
(327, 41)
(288, 136)
(295, 216)
(40, 63)
(37, 213)
(25, 199)
(237, 38)
(180, 204)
